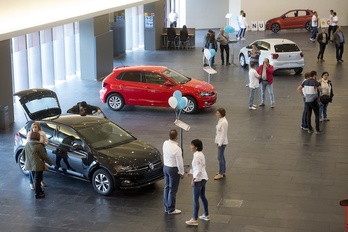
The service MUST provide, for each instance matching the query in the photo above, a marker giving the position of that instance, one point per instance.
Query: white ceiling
(19, 17)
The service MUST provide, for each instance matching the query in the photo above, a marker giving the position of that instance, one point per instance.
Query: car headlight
(122, 168)
(206, 94)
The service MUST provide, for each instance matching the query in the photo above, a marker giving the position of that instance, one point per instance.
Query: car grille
(142, 176)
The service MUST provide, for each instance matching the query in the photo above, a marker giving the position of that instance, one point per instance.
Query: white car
(282, 54)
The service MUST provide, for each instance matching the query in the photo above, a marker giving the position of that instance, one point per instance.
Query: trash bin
(4, 118)
(344, 203)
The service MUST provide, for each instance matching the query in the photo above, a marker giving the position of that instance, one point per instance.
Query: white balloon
(207, 53)
(173, 102)
(186, 100)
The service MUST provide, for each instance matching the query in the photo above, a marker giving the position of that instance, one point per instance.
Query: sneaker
(310, 131)
(304, 128)
(247, 85)
(32, 186)
(228, 63)
(254, 105)
(238, 38)
(218, 176)
(192, 222)
(205, 218)
(262, 104)
(326, 119)
(175, 211)
(272, 106)
(319, 132)
(252, 108)
(321, 120)
(205, 65)
(243, 38)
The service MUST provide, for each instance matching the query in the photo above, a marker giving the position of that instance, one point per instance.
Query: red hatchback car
(153, 86)
(291, 20)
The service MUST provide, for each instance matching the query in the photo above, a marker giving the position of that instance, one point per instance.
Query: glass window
(67, 134)
(129, 76)
(154, 78)
(286, 48)
(176, 76)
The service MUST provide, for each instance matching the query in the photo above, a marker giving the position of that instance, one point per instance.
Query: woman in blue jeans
(199, 180)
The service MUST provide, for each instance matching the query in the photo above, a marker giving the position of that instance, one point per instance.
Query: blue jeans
(221, 158)
(314, 32)
(304, 116)
(314, 105)
(323, 110)
(264, 85)
(252, 96)
(199, 192)
(172, 179)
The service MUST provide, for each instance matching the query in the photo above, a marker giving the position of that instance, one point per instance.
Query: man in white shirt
(173, 170)
(254, 79)
(173, 17)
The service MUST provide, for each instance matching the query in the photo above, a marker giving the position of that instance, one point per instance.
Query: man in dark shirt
(83, 109)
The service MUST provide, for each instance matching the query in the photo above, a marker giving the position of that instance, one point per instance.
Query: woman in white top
(35, 127)
(221, 141)
(199, 180)
(326, 89)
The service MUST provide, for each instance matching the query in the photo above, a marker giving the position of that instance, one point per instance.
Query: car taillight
(301, 54)
(104, 84)
(275, 56)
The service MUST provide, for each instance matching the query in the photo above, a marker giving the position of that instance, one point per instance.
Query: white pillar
(47, 57)
(129, 30)
(59, 53)
(34, 60)
(69, 41)
(20, 63)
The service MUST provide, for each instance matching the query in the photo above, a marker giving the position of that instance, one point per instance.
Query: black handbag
(324, 99)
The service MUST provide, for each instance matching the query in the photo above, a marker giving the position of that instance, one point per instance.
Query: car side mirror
(168, 83)
(77, 146)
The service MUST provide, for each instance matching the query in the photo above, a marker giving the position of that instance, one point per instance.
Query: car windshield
(286, 48)
(177, 77)
(104, 134)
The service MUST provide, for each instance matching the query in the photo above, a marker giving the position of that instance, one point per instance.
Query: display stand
(232, 56)
(210, 71)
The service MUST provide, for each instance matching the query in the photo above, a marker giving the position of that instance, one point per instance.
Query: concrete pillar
(6, 93)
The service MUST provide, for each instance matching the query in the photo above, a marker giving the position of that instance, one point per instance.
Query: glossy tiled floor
(279, 178)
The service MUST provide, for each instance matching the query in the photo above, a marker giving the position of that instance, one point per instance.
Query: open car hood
(39, 103)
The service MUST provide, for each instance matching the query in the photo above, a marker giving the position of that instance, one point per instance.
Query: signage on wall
(148, 21)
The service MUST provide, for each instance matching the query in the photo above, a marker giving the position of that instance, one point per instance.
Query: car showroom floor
(279, 178)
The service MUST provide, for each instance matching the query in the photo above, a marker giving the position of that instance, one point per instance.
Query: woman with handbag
(326, 96)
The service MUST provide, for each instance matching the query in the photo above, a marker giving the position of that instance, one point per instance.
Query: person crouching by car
(35, 156)
(84, 109)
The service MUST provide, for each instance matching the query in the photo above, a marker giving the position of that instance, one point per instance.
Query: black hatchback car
(88, 147)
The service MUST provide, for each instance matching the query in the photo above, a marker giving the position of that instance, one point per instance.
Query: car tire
(191, 106)
(308, 26)
(20, 161)
(115, 101)
(298, 70)
(103, 182)
(275, 27)
(242, 61)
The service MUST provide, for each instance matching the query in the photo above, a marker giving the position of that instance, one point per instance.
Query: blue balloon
(181, 103)
(229, 29)
(177, 94)
(212, 52)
